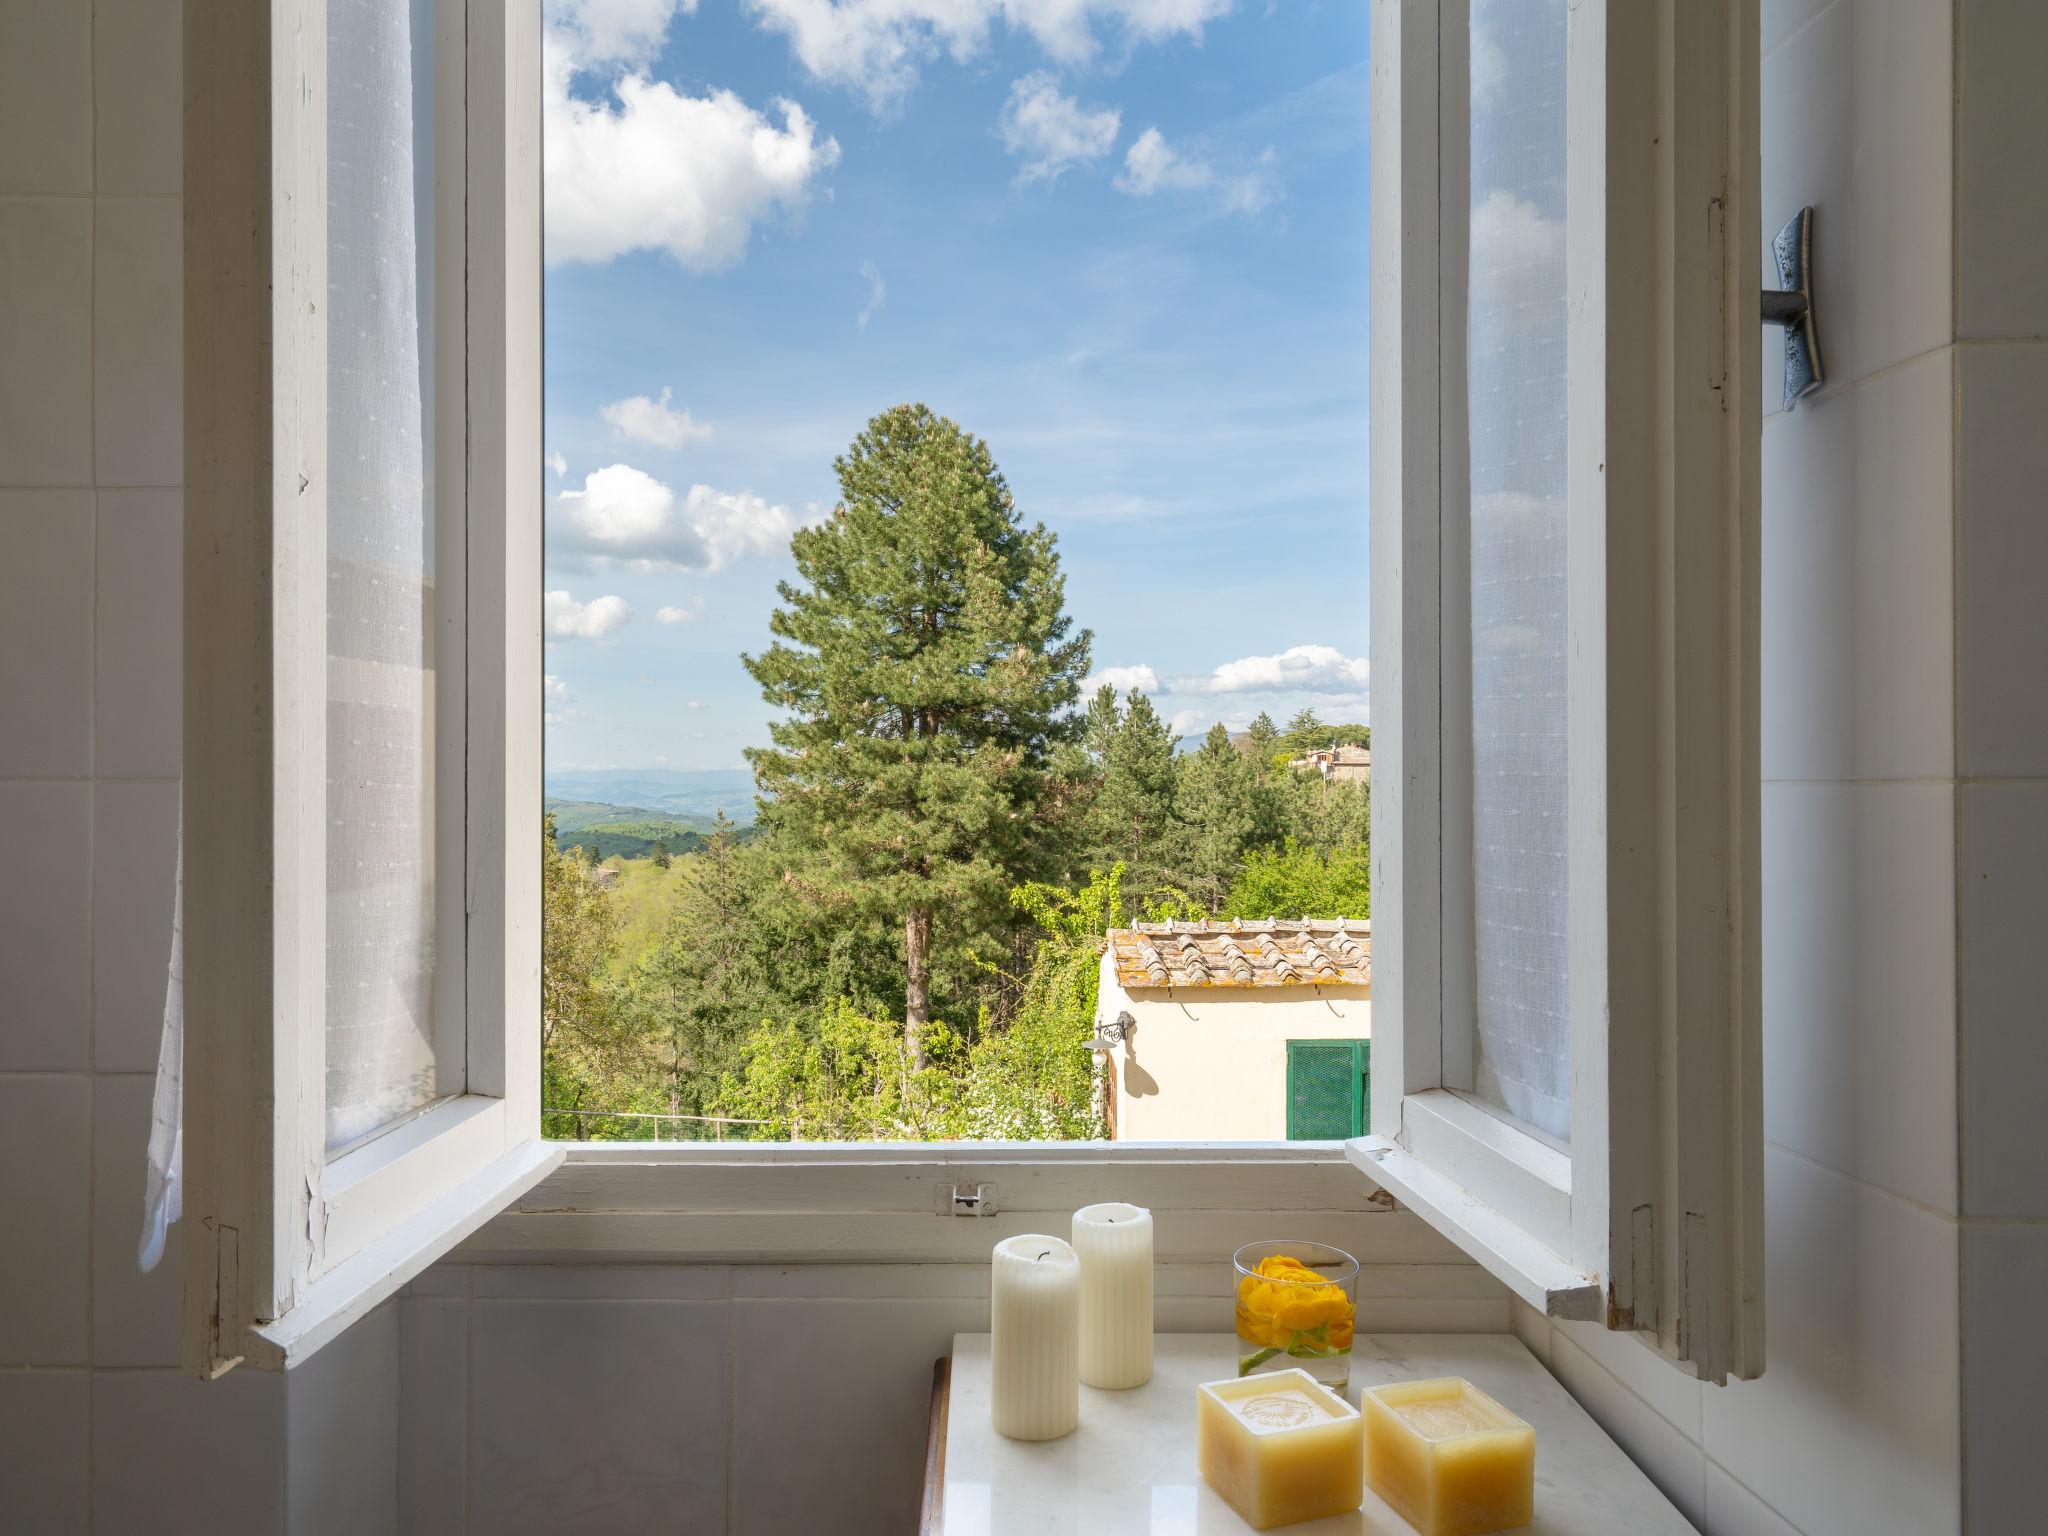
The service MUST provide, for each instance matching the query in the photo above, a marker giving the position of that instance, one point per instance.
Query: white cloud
(1184, 721)
(558, 464)
(626, 33)
(1123, 680)
(1321, 668)
(625, 516)
(1151, 166)
(1051, 130)
(653, 423)
(878, 292)
(689, 613)
(566, 619)
(876, 47)
(696, 703)
(554, 700)
(650, 168)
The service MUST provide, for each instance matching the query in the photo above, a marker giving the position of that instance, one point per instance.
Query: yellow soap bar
(1448, 1457)
(1280, 1447)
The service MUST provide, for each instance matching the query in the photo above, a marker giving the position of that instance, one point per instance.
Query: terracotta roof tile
(1276, 952)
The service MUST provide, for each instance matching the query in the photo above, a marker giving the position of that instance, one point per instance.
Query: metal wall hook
(1792, 307)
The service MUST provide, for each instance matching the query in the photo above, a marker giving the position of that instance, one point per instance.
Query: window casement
(1566, 428)
(362, 707)
(1631, 1197)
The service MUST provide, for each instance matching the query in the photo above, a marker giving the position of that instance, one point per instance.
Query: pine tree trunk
(917, 1008)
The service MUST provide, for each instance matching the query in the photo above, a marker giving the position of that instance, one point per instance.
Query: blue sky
(1122, 240)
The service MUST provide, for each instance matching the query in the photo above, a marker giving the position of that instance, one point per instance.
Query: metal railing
(705, 1127)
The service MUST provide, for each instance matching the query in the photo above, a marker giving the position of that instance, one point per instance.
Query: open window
(362, 697)
(1564, 610)
(1564, 488)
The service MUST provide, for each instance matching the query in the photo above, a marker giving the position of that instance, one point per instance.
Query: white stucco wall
(1210, 1063)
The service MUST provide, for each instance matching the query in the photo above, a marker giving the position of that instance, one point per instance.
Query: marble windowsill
(1129, 1469)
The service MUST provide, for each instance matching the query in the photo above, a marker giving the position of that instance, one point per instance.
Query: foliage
(907, 943)
(1295, 881)
(1134, 820)
(589, 1047)
(1226, 804)
(924, 667)
(1306, 733)
(630, 831)
(844, 1077)
(1035, 1080)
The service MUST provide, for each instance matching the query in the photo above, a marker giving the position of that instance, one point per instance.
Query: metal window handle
(1792, 307)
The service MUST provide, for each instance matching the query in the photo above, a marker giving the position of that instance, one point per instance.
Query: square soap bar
(1280, 1447)
(1448, 1457)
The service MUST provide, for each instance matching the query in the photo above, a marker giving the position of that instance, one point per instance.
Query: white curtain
(380, 594)
(380, 702)
(1516, 404)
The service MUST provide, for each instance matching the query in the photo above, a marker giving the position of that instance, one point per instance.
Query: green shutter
(1326, 1089)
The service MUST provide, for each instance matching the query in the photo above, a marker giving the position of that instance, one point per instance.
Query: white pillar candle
(1114, 1242)
(1035, 1346)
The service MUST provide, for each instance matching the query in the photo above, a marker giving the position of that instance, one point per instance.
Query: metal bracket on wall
(1792, 307)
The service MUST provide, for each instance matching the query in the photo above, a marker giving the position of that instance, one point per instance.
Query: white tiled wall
(98, 1430)
(1905, 828)
(748, 1399)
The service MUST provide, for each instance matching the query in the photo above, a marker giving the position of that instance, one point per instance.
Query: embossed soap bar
(1448, 1457)
(1280, 1447)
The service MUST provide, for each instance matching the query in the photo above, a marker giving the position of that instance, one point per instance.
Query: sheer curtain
(380, 595)
(1515, 360)
(380, 589)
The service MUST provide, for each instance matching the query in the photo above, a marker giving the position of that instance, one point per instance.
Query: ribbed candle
(1114, 1242)
(1034, 1309)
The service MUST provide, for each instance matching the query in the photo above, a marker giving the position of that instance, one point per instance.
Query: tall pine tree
(1133, 821)
(925, 666)
(1225, 808)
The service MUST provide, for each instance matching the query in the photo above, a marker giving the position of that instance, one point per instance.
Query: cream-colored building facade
(1221, 1026)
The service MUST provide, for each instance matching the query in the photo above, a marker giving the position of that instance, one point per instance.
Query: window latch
(969, 1200)
(1792, 307)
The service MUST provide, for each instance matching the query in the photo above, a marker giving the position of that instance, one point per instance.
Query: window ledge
(891, 1203)
(1505, 1250)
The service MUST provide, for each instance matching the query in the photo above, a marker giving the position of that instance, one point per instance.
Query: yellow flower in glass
(1284, 1306)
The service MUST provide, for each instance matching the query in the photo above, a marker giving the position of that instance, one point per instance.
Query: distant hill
(627, 831)
(687, 792)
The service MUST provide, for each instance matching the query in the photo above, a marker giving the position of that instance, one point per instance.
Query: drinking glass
(1296, 1306)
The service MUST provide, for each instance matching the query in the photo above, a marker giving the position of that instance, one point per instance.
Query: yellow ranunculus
(1302, 1308)
(1287, 1300)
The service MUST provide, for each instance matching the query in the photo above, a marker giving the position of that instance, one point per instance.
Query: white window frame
(284, 1248)
(284, 1245)
(1651, 1219)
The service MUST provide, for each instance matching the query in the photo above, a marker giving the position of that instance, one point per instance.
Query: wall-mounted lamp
(1792, 308)
(1114, 1033)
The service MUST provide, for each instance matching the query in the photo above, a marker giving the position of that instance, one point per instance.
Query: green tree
(1292, 881)
(660, 855)
(706, 979)
(1035, 1079)
(1133, 821)
(587, 1038)
(589, 853)
(843, 1076)
(1225, 806)
(925, 666)
(1262, 739)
